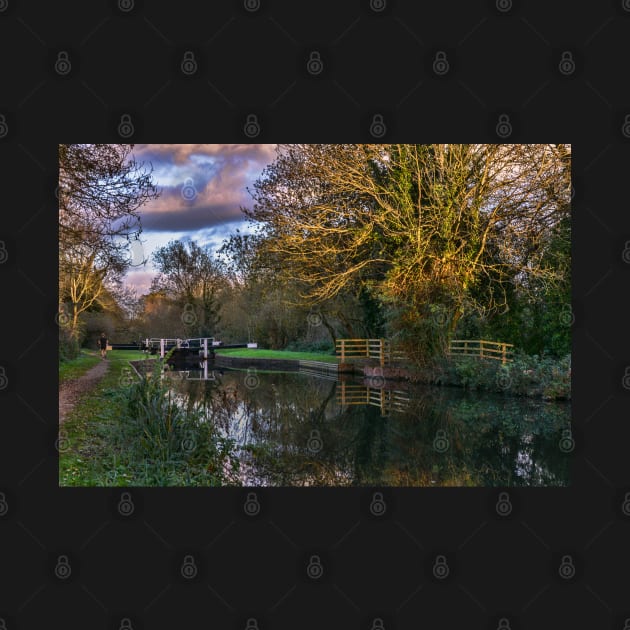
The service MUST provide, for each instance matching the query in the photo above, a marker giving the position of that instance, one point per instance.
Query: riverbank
(86, 454)
(131, 431)
(261, 353)
(530, 376)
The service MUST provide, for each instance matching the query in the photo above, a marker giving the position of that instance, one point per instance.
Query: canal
(294, 429)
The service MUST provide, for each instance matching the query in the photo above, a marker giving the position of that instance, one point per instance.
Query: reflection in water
(293, 429)
(373, 393)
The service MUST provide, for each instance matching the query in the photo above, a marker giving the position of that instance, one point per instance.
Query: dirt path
(71, 391)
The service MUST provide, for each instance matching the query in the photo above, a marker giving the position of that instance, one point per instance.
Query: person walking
(102, 342)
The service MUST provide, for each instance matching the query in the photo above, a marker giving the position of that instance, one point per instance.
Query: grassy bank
(74, 368)
(532, 376)
(134, 432)
(126, 355)
(87, 456)
(259, 353)
(526, 375)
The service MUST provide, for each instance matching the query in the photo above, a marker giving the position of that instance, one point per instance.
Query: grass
(131, 432)
(259, 353)
(127, 355)
(85, 454)
(75, 368)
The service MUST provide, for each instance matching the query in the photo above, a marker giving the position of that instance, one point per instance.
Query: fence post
(504, 348)
(161, 348)
(382, 349)
(343, 353)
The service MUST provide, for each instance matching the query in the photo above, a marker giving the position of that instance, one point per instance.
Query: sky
(203, 187)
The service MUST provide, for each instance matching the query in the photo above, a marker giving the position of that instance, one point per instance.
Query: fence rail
(165, 344)
(481, 348)
(380, 349)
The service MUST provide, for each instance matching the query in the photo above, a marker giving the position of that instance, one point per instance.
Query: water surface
(293, 429)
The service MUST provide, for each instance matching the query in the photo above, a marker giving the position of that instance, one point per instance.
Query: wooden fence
(380, 349)
(481, 348)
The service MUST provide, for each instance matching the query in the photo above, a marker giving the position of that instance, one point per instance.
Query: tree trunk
(74, 331)
(330, 329)
(347, 325)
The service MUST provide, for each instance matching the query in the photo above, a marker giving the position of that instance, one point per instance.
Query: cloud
(213, 237)
(201, 185)
(181, 153)
(140, 279)
(191, 218)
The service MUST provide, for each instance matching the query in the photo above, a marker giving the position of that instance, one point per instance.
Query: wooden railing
(380, 349)
(481, 348)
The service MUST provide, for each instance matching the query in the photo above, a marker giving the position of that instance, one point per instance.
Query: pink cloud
(201, 185)
(181, 153)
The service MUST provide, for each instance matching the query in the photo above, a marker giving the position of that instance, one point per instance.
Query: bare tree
(101, 189)
(420, 224)
(190, 274)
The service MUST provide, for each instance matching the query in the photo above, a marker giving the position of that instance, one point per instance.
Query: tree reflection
(294, 430)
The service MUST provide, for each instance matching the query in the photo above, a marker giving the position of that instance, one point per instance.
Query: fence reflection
(387, 400)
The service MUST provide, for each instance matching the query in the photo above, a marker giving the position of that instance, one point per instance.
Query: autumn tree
(432, 231)
(270, 308)
(101, 190)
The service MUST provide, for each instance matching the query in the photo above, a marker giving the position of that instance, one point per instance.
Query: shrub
(181, 441)
(69, 347)
(526, 375)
